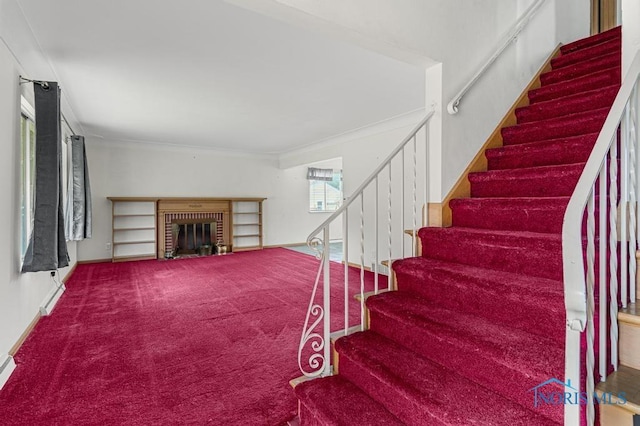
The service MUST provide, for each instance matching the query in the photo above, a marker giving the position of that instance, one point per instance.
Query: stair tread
(587, 53)
(526, 172)
(630, 314)
(591, 81)
(567, 105)
(581, 68)
(491, 278)
(627, 380)
(523, 252)
(535, 146)
(570, 118)
(342, 403)
(593, 40)
(448, 283)
(436, 392)
(543, 214)
(471, 331)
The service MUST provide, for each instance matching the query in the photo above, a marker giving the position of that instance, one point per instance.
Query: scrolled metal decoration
(314, 366)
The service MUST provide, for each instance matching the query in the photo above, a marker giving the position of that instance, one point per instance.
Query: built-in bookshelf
(134, 234)
(247, 224)
(141, 226)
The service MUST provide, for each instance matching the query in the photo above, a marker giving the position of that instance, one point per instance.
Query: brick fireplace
(202, 221)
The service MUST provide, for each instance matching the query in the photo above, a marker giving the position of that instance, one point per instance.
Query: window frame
(325, 184)
(27, 173)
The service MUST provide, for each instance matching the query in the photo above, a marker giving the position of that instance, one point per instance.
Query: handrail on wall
(453, 106)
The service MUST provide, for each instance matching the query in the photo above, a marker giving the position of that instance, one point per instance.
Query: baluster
(345, 256)
(624, 193)
(362, 261)
(415, 178)
(591, 229)
(402, 203)
(613, 250)
(634, 142)
(389, 226)
(602, 273)
(375, 279)
(326, 302)
(425, 210)
(632, 204)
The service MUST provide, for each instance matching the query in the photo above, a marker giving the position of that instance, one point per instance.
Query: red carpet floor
(479, 319)
(195, 341)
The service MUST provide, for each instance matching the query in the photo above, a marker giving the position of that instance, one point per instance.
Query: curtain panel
(47, 249)
(78, 211)
(319, 174)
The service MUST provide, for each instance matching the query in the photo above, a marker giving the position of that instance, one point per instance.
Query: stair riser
(515, 219)
(586, 43)
(405, 406)
(467, 362)
(544, 260)
(630, 344)
(562, 107)
(588, 83)
(479, 298)
(538, 131)
(551, 156)
(542, 186)
(571, 58)
(580, 69)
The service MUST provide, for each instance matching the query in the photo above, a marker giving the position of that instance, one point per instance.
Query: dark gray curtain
(47, 250)
(78, 212)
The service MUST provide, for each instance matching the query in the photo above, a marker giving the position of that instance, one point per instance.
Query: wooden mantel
(241, 217)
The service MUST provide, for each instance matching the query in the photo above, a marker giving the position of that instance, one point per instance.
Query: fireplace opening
(193, 236)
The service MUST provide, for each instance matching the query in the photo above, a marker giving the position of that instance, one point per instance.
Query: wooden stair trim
(630, 314)
(440, 213)
(626, 380)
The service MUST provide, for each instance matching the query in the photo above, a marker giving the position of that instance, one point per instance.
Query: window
(326, 195)
(27, 174)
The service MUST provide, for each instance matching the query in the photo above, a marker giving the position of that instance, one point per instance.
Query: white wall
(21, 295)
(460, 34)
(151, 170)
(630, 32)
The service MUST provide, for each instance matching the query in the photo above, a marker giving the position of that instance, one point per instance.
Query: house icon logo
(540, 397)
(556, 392)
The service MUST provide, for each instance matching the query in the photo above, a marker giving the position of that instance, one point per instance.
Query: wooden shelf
(247, 248)
(134, 257)
(120, 243)
(244, 211)
(133, 220)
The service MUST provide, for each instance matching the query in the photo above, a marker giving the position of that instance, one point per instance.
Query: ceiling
(206, 73)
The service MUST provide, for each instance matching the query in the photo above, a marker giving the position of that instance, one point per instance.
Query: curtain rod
(45, 85)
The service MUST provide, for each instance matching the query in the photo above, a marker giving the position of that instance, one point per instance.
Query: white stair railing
(610, 182)
(314, 357)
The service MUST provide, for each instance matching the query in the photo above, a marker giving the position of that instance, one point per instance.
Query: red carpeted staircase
(479, 319)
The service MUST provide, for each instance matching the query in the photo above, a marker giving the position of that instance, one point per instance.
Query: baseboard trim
(68, 274)
(7, 365)
(86, 262)
(52, 298)
(15, 348)
(285, 245)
